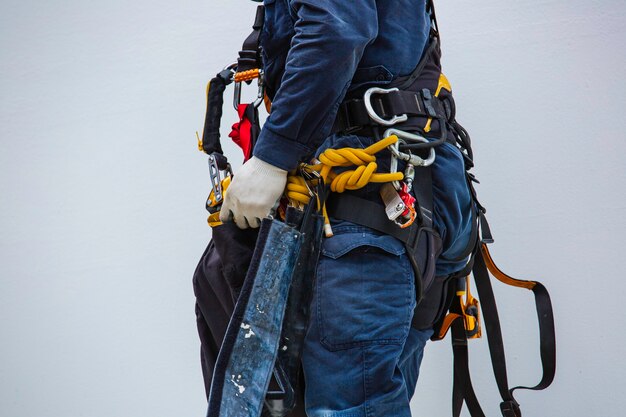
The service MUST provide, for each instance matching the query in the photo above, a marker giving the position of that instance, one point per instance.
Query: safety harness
(410, 119)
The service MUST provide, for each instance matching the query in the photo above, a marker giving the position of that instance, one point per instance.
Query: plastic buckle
(367, 99)
(427, 98)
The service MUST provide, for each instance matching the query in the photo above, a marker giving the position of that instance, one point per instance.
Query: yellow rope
(364, 173)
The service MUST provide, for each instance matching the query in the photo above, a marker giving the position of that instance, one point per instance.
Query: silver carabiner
(260, 93)
(409, 158)
(367, 100)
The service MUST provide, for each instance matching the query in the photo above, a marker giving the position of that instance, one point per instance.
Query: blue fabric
(451, 196)
(257, 333)
(452, 208)
(361, 358)
(315, 51)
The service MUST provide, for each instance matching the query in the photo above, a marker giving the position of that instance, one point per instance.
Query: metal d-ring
(367, 100)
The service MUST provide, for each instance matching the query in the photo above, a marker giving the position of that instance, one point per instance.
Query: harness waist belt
(353, 114)
(369, 214)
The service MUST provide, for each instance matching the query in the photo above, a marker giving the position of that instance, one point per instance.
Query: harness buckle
(510, 409)
(367, 100)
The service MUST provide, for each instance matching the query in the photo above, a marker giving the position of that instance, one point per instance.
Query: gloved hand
(252, 193)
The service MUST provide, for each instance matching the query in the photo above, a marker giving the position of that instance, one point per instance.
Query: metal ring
(408, 157)
(367, 100)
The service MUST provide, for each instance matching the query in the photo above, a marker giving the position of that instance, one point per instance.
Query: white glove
(253, 191)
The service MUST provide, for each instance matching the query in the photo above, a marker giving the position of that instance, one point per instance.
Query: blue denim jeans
(361, 358)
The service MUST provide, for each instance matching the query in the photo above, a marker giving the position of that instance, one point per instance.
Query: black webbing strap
(353, 115)
(369, 214)
(509, 406)
(250, 56)
(462, 389)
(434, 26)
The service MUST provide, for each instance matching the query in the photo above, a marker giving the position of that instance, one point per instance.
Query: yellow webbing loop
(365, 173)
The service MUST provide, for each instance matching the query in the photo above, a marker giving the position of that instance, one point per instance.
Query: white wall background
(102, 193)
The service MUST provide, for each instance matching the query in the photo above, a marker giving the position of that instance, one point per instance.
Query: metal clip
(216, 196)
(367, 100)
(409, 158)
(260, 92)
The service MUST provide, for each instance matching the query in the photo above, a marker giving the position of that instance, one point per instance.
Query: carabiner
(260, 92)
(409, 158)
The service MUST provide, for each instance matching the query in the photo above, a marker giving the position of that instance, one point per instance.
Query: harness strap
(545, 316)
(250, 56)
(463, 390)
(369, 214)
(421, 251)
(247, 67)
(372, 214)
(353, 114)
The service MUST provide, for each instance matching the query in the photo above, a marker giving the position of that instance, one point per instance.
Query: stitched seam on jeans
(366, 382)
(364, 240)
(410, 296)
(318, 285)
(363, 343)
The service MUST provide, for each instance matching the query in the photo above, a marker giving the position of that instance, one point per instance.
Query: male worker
(362, 353)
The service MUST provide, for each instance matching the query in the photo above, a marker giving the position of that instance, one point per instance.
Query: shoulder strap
(250, 56)
(434, 26)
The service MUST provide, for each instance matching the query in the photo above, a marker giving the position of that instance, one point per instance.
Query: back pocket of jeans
(365, 291)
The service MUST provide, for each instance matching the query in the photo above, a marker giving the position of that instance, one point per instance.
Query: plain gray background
(102, 193)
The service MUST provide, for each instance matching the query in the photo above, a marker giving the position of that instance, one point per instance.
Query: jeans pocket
(365, 291)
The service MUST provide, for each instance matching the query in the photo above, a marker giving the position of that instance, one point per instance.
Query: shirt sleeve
(330, 37)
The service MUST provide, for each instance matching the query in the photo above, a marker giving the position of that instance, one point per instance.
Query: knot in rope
(363, 159)
(299, 192)
(353, 179)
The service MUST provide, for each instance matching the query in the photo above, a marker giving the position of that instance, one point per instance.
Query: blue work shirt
(317, 51)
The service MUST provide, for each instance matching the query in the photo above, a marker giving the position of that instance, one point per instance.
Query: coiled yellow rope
(299, 193)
